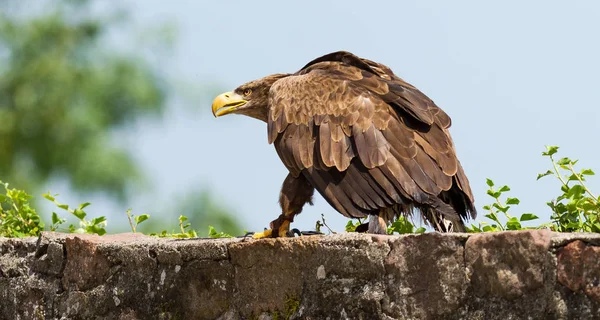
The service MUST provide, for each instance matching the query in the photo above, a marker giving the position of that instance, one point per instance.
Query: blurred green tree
(62, 95)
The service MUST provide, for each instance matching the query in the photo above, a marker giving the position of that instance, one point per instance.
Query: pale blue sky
(513, 75)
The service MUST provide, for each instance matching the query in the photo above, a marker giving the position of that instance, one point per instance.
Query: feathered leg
(442, 217)
(377, 224)
(295, 192)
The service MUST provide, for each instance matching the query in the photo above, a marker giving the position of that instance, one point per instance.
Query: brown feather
(433, 171)
(325, 145)
(371, 146)
(306, 145)
(333, 194)
(447, 161)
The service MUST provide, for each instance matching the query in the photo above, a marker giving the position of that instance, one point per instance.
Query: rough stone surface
(508, 275)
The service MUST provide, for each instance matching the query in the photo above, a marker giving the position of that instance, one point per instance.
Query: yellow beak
(226, 103)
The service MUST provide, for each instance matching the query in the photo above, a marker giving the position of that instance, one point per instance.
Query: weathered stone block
(508, 275)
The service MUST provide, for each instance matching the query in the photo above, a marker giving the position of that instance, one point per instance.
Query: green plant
(212, 233)
(351, 225)
(185, 228)
(17, 218)
(94, 226)
(576, 208)
(500, 206)
(403, 225)
(134, 220)
(322, 223)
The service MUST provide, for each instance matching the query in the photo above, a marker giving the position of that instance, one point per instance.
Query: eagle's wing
(364, 138)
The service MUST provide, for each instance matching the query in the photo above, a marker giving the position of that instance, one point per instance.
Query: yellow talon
(260, 235)
(283, 229)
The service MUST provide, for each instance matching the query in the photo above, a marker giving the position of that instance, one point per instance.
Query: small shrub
(576, 208)
(94, 226)
(17, 217)
(500, 206)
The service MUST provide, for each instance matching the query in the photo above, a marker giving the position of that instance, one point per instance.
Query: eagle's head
(250, 99)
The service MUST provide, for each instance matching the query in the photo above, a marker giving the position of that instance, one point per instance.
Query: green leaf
(491, 228)
(83, 205)
(514, 201)
(95, 229)
(541, 175)
(420, 230)
(588, 204)
(587, 172)
(493, 217)
(564, 161)
(48, 196)
(55, 218)
(402, 226)
(80, 214)
(350, 226)
(98, 220)
(212, 233)
(489, 182)
(63, 206)
(183, 218)
(493, 194)
(528, 217)
(141, 218)
(513, 224)
(473, 229)
(576, 192)
(550, 150)
(487, 207)
(504, 209)
(504, 189)
(574, 177)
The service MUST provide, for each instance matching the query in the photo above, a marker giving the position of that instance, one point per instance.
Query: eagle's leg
(295, 192)
(377, 224)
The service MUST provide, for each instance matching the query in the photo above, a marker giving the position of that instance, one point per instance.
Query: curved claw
(292, 233)
(283, 232)
(311, 233)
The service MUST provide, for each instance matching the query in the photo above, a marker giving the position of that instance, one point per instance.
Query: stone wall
(507, 275)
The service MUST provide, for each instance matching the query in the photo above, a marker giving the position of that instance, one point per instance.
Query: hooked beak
(227, 103)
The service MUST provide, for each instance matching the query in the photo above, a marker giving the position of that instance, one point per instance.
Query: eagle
(369, 142)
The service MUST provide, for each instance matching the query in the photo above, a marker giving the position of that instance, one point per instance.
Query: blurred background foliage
(65, 92)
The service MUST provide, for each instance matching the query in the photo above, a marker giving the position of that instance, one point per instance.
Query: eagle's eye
(247, 92)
